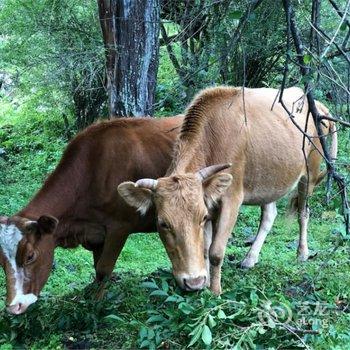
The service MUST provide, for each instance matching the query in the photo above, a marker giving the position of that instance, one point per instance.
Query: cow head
(183, 204)
(26, 255)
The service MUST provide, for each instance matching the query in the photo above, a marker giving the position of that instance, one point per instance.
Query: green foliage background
(55, 47)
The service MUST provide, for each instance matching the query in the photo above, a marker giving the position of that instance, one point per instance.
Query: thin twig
(338, 29)
(304, 69)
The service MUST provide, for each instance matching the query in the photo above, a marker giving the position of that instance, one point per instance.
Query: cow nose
(196, 283)
(17, 309)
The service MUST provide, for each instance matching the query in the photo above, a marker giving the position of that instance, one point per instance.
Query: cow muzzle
(20, 304)
(191, 283)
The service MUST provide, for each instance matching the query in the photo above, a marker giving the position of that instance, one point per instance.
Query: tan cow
(196, 200)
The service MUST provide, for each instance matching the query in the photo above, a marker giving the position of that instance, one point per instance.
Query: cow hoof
(207, 283)
(249, 240)
(100, 294)
(216, 290)
(248, 263)
(302, 257)
(114, 278)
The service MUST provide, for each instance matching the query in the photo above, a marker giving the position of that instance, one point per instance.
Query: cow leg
(111, 249)
(208, 235)
(96, 253)
(225, 222)
(96, 250)
(104, 267)
(268, 216)
(303, 219)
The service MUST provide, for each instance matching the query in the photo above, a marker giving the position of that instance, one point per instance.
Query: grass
(70, 317)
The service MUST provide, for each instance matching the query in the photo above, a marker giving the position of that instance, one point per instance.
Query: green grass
(69, 315)
(157, 313)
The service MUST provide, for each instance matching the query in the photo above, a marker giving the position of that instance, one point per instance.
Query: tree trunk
(130, 31)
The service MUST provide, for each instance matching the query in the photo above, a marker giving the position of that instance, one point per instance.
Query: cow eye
(163, 225)
(205, 218)
(30, 258)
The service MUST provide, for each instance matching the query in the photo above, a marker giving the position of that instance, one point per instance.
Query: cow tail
(293, 201)
(333, 150)
(292, 208)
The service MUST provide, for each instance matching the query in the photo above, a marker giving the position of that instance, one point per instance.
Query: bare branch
(339, 53)
(343, 122)
(171, 53)
(305, 70)
(343, 19)
(339, 12)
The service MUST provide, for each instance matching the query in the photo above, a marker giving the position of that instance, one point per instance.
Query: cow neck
(59, 196)
(189, 155)
(189, 162)
(46, 203)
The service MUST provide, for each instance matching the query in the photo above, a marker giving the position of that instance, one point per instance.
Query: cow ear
(214, 187)
(47, 224)
(137, 197)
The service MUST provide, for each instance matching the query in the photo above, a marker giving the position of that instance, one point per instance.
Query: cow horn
(31, 224)
(147, 183)
(211, 170)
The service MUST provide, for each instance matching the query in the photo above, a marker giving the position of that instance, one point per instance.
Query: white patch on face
(26, 299)
(10, 236)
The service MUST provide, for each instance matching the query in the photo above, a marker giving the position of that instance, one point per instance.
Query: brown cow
(195, 201)
(82, 194)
